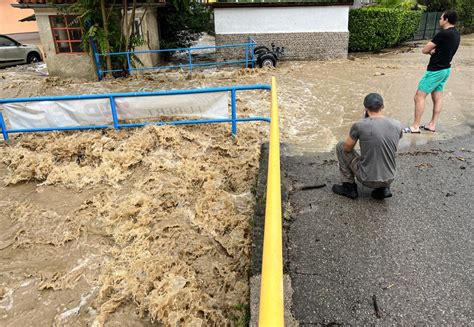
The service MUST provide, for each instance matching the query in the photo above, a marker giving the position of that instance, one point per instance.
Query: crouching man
(375, 167)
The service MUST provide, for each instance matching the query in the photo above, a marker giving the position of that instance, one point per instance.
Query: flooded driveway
(319, 101)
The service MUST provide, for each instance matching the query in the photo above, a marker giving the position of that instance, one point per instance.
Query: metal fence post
(426, 22)
(96, 59)
(190, 59)
(114, 112)
(247, 53)
(129, 63)
(4, 128)
(437, 17)
(434, 26)
(252, 48)
(234, 112)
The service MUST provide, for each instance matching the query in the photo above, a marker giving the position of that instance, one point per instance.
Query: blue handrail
(111, 96)
(249, 60)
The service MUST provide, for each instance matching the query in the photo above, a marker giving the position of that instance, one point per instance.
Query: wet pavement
(403, 261)
(407, 260)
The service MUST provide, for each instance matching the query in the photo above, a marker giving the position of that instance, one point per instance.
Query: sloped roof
(30, 18)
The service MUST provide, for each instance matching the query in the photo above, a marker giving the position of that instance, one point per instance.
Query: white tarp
(92, 112)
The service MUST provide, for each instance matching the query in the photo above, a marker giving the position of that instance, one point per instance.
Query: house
(61, 36)
(15, 23)
(307, 29)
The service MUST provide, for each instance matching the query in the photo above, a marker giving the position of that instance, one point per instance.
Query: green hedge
(410, 24)
(464, 9)
(374, 28)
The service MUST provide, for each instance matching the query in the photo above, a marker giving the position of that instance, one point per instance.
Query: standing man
(375, 167)
(442, 49)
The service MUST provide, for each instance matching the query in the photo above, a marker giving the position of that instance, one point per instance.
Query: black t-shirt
(447, 43)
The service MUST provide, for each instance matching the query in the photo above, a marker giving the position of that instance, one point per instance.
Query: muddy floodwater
(318, 100)
(152, 225)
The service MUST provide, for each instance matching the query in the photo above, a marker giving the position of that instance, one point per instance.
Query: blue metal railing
(249, 58)
(117, 125)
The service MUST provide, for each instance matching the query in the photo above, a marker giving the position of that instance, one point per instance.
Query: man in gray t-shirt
(375, 167)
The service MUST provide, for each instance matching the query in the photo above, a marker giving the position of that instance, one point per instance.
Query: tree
(397, 4)
(438, 5)
(108, 27)
(182, 22)
(464, 9)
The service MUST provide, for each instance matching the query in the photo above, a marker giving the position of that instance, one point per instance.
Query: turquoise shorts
(434, 81)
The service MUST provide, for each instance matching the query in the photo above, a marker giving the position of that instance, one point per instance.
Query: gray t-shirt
(378, 145)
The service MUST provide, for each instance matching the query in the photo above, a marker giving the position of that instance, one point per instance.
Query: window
(7, 42)
(67, 34)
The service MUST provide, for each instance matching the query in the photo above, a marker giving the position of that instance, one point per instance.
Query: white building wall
(302, 19)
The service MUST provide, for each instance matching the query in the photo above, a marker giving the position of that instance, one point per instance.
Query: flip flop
(409, 130)
(427, 129)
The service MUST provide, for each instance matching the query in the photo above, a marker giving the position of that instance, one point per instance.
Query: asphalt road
(407, 260)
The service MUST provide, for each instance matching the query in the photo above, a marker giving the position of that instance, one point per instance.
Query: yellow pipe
(271, 289)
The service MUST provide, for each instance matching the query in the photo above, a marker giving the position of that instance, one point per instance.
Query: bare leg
(437, 97)
(420, 98)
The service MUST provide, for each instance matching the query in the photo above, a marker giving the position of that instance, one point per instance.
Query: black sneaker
(381, 193)
(346, 189)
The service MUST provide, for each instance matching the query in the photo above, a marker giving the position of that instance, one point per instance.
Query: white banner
(92, 112)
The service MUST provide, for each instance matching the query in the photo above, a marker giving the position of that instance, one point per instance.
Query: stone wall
(312, 45)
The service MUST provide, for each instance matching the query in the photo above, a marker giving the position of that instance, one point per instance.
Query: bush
(464, 9)
(410, 24)
(437, 5)
(373, 28)
(182, 22)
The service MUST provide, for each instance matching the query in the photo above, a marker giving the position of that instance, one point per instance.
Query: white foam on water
(75, 310)
(7, 302)
(81, 263)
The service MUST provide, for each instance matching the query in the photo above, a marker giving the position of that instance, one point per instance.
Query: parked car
(13, 52)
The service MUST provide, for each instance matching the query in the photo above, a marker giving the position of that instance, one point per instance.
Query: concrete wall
(26, 38)
(303, 19)
(61, 64)
(9, 19)
(150, 33)
(306, 32)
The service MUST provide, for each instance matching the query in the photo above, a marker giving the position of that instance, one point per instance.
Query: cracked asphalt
(406, 260)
